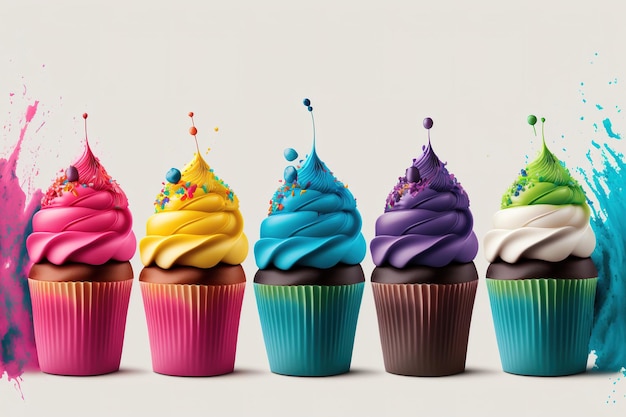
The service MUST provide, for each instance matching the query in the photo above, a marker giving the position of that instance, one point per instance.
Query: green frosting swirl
(544, 181)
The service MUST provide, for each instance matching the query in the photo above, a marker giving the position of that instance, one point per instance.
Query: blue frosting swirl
(313, 221)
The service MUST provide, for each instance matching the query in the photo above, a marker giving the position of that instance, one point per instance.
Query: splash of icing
(430, 173)
(17, 343)
(606, 182)
(608, 126)
(313, 220)
(613, 396)
(197, 179)
(606, 179)
(545, 180)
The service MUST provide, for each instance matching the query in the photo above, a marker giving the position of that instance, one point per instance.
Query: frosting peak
(545, 180)
(313, 220)
(427, 220)
(198, 179)
(84, 217)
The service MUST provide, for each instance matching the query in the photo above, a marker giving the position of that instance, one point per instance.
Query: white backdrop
(373, 71)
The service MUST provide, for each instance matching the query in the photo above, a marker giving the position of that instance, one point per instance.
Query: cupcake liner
(424, 328)
(543, 325)
(309, 329)
(193, 328)
(79, 326)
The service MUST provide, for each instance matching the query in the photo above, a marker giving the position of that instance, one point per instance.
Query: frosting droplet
(306, 102)
(413, 174)
(532, 120)
(71, 173)
(173, 176)
(290, 174)
(85, 115)
(428, 123)
(290, 154)
(193, 131)
(190, 114)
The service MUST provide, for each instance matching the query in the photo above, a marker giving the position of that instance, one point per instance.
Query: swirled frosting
(313, 221)
(196, 223)
(545, 180)
(427, 220)
(544, 216)
(84, 218)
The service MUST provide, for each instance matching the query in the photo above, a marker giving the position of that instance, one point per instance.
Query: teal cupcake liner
(309, 329)
(543, 325)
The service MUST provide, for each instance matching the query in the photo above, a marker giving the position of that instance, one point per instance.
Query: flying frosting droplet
(413, 174)
(428, 123)
(290, 154)
(306, 102)
(71, 173)
(193, 131)
(532, 120)
(290, 174)
(85, 115)
(173, 176)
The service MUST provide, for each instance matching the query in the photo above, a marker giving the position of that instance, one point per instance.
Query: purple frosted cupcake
(425, 279)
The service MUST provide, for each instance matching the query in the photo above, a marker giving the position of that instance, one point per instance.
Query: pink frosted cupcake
(81, 279)
(193, 283)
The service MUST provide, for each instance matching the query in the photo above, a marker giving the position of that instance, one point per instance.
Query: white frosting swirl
(540, 231)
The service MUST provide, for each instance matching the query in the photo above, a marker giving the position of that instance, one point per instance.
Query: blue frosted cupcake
(541, 280)
(310, 283)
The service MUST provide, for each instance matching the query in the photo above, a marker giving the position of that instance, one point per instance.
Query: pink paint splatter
(17, 343)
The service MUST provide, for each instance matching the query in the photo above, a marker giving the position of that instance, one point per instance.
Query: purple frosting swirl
(427, 222)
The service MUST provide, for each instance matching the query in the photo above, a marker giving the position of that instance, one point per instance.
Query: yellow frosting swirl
(196, 223)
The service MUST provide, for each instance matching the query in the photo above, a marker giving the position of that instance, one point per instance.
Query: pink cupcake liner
(79, 326)
(193, 328)
(424, 328)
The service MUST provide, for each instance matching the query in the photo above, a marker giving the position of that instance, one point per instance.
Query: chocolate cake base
(221, 274)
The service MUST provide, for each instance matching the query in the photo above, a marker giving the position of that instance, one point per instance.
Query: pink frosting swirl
(84, 220)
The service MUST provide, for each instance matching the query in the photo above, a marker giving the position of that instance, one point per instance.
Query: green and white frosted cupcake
(541, 280)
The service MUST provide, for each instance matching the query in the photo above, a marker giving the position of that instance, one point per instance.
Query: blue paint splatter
(607, 182)
(609, 129)
(599, 107)
(612, 397)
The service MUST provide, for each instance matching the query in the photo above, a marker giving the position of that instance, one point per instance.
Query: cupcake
(425, 280)
(309, 284)
(541, 281)
(192, 283)
(81, 278)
